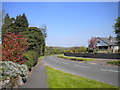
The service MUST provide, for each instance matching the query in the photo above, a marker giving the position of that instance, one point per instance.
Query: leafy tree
(35, 39)
(92, 43)
(82, 49)
(44, 30)
(70, 51)
(43, 48)
(55, 50)
(117, 29)
(77, 49)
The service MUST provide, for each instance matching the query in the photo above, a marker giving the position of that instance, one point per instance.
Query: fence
(95, 55)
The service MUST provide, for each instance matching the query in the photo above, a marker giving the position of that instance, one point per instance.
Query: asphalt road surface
(107, 74)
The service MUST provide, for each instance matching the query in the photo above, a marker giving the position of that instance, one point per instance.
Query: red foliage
(13, 47)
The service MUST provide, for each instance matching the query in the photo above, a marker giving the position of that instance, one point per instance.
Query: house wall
(114, 48)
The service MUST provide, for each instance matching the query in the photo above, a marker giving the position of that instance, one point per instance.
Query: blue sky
(68, 23)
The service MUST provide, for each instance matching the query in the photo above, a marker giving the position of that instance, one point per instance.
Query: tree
(24, 21)
(7, 24)
(1, 18)
(44, 30)
(92, 43)
(35, 39)
(117, 29)
(20, 23)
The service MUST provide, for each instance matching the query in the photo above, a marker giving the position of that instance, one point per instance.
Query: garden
(21, 48)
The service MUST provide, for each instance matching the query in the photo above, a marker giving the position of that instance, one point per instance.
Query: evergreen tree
(117, 29)
(24, 21)
(7, 24)
(21, 23)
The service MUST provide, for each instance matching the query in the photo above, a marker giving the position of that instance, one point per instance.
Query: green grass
(41, 57)
(76, 58)
(60, 79)
(114, 62)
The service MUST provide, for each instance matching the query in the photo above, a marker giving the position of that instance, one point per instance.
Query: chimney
(110, 38)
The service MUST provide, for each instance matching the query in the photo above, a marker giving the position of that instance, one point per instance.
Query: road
(107, 74)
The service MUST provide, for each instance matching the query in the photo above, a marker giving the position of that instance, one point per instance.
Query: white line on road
(82, 66)
(54, 59)
(64, 63)
(109, 70)
(58, 61)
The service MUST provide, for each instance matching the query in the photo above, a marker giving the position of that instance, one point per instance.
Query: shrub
(90, 50)
(13, 47)
(13, 69)
(14, 73)
(114, 62)
(31, 57)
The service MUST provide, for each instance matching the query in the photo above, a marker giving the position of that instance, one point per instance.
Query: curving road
(107, 74)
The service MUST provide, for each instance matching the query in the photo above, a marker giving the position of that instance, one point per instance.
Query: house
(107, 44)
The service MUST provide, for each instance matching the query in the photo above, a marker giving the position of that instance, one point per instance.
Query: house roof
(110, 41)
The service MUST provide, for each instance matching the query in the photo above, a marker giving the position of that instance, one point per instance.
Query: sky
(60, 0)
(68, 23)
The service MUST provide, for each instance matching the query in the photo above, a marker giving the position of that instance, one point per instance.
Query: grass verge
(114, 62)
(60, 79)
(41, 57)
(75, 58)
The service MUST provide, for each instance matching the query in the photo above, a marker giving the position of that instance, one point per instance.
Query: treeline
(35, 36)
(55, 50)
(62, 50)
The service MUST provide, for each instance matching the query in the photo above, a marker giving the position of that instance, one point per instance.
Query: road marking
(109, 70)
(82, 66)
(58, 61)
(54, 59)
(64, 63)
(50, 57)
(80, 62)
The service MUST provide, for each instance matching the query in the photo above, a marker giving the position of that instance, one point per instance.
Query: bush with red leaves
(13, 47)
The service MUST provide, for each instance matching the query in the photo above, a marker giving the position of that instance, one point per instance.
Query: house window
(98, 41)
(103, 47)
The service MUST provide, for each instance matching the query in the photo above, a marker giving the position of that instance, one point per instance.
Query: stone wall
(95, 55)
